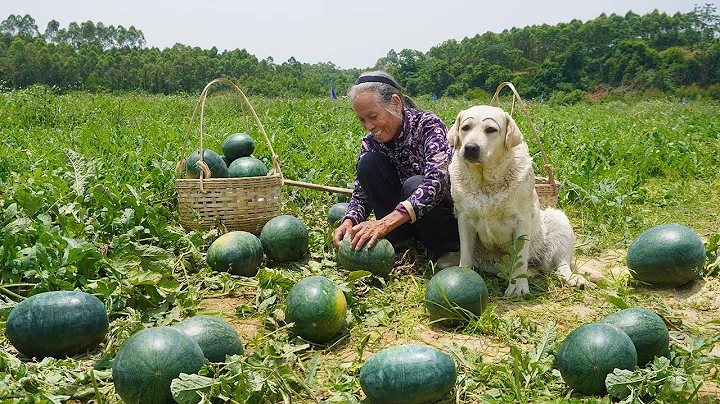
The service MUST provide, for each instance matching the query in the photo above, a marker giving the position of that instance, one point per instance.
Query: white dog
(493, 188)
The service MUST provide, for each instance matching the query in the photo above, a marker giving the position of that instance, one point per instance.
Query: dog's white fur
(493, 188)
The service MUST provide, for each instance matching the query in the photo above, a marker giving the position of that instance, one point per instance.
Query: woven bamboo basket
(547, 188)
(227, 203)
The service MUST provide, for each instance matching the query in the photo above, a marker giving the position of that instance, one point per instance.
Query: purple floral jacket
(420, 149)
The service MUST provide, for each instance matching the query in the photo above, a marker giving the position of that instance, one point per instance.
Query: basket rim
(269, 180)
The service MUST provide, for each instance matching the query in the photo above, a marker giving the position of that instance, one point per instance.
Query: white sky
(348, 34)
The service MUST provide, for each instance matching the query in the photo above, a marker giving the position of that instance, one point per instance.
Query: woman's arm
(437, 153)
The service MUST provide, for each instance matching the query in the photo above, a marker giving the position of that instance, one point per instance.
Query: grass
(88, 202)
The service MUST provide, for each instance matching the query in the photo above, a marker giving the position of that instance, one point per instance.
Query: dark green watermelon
(408, 374)
(317, 307)
(284, 238)
(238, 145)
(57, 324)
(645, 328)
(379, 259)
(247, 167)
(337, 212)
(149, 360)
(666, 255)
(237, 252)
(342, 197)
(226, 160)
(453, 290)
(590, 353)
(217, 166)
(215, 336)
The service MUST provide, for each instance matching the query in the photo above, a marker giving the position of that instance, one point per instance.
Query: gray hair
(383, 91)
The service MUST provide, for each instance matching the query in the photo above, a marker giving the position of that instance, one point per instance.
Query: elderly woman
(402, 174)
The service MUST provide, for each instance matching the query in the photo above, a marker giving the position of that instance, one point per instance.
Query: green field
(88, 202)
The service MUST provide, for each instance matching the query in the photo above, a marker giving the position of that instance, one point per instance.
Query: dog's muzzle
(471, 151)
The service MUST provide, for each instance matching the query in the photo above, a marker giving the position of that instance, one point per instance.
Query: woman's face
(375, 119)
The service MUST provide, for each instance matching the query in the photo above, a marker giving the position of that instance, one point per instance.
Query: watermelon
(645, 328)
(284, 238)
(238, 145)
(226, 160)
(666, 255)
(149, 360)
(337, 212)
(408, 374)
(215, 336)
(217, 166)
(57, 324)
(247, 167)
(453, 290)
(590, 353)
(342, 197)
(379, 259)
(237, 252)
(317, 307)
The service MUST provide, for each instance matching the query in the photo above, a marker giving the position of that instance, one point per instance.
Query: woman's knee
(370, 164)
(411, 185)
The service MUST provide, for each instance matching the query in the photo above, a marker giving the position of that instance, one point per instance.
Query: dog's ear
(453, 136)
(513, 136)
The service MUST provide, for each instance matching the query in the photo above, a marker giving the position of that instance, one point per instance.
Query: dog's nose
(471, 151)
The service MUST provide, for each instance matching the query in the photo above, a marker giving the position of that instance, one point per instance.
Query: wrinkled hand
(368, 232)
(339, 233)
(360, 234)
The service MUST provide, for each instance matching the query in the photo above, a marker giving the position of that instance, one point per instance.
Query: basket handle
(204, 172)
(496, 100)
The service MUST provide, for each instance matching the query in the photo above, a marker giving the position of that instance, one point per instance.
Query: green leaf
(615, 300)
(186, 388)
(355, 275)
(57, 399)
(81, 172)
(619, 381)
(266, 303)
(312, 369)
(545, 345)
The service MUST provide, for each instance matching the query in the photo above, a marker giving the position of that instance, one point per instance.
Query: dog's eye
(465, 128)
(490, 130)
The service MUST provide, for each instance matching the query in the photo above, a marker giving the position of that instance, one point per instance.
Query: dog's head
(483, 132)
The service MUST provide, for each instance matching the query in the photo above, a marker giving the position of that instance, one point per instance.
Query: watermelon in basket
(229, 203)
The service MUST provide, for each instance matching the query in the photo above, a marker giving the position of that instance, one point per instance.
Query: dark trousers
(437, 229)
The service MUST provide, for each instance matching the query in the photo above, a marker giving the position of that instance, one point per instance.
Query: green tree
(631, 63)
(51, 30)
(23, 27)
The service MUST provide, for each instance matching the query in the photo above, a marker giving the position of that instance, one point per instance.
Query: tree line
(656, 51)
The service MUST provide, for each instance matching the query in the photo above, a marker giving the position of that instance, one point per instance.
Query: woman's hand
(359, 234)
(368, 232)
(346, 227)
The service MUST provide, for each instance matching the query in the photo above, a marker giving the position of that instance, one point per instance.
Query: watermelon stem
(98, 397)
(11, 294)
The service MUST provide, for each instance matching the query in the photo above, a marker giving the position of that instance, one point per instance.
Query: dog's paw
(517, 287)
(593, 275)
(574, 279)
(579, 281)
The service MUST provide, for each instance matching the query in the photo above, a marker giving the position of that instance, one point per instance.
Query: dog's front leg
(519, 281)
(468, 237)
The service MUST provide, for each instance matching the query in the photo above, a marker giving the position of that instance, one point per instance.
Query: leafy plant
(512, 260)
(713, 254)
